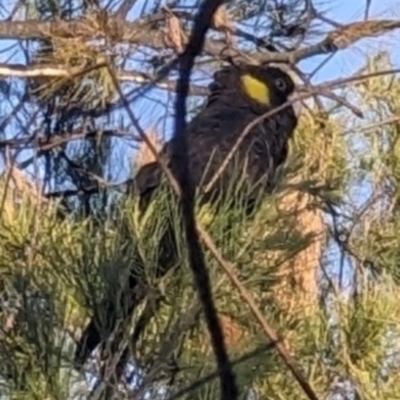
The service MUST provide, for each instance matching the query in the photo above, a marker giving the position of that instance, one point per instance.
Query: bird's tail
(97, 333)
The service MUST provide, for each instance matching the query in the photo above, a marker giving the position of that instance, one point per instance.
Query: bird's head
(267, 86)
(263, 86)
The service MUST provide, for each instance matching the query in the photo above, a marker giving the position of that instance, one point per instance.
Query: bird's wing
(211, 136)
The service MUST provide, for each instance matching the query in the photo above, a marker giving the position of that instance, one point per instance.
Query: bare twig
(42, 144)
(207, 378)
(367, 8)
(62, 71)
(345, 103)
(377, 125)
(124, 8)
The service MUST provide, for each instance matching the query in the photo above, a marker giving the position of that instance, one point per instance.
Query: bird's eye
(280, 84)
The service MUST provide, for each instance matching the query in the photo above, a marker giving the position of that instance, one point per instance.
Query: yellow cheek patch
(256, 89)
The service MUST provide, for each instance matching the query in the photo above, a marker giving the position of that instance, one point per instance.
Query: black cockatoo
(238, 95)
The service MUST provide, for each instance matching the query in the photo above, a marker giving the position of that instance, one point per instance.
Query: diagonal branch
(44, 144)
(125, 7)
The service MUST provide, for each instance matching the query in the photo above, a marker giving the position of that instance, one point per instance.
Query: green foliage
(61, 270)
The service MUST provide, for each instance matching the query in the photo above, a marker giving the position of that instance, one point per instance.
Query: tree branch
(125, 7)
(61, 71)
(142, 32)
(47, 144)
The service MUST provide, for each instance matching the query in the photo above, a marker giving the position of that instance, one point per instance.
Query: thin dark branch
(345, 103)
(42, 146)
(46, 144)
(71, 192)
(367, 8)
(200, 382)
(125, 8)
(203, 20)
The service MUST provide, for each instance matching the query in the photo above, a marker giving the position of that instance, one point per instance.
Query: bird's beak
(296, 103)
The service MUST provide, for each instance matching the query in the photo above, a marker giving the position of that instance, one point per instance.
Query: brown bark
(142, 32)
(297, 290)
